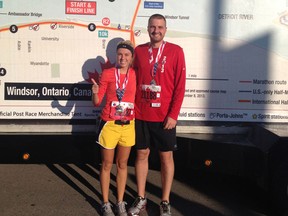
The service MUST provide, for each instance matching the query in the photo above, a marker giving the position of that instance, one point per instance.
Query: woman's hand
(95, 87)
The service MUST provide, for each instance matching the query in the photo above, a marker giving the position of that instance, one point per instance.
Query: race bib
(151, 94)
(122, 110)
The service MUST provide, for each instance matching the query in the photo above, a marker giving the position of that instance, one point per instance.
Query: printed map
(236, 54)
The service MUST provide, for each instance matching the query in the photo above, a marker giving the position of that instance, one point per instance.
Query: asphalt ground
(61, 178)
(74, 190)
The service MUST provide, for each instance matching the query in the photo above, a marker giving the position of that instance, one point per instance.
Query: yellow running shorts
(111, 134)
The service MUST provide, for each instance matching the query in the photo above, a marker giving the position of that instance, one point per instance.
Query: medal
(153, 82)
(119, 109)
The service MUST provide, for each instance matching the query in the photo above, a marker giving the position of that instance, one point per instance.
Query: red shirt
(107, 86)
(170, 75)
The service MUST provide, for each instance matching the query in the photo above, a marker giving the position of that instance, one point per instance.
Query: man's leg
(141, 170)
(167, 173)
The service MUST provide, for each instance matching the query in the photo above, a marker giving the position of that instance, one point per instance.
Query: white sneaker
(138, 205)
(106, 209)
(121, 209)
(165, 209)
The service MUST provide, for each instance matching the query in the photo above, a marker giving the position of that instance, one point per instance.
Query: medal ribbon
(158, 56)
(120, 92)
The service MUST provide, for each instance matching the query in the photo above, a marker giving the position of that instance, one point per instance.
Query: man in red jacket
(161, 75)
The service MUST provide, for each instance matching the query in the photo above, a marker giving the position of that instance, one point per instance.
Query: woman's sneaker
(165, 209)
(138, 205)
(106, 209)
(121, 209)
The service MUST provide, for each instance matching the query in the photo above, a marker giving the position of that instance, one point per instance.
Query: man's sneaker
(165, 209)
(138, 205)
(121, 209)
(107, 209)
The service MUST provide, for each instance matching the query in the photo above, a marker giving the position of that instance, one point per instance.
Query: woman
(116, 127)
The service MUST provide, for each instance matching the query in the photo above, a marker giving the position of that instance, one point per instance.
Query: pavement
(61, 178)
(74, 190)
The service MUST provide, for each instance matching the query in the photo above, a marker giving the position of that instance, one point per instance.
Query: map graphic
(236, 54)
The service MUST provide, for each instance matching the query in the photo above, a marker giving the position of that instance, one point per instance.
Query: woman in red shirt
(117, 123)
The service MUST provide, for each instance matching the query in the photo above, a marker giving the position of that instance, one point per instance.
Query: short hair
(157, 16)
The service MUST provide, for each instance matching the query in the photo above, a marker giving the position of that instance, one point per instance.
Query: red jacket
(170, 75)
(107, 87)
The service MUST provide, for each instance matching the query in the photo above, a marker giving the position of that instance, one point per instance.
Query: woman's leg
(122, 170)
(107, 156)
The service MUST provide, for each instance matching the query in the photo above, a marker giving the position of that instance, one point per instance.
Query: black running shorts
(153, 134)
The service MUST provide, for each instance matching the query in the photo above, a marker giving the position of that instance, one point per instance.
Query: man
(161, 74)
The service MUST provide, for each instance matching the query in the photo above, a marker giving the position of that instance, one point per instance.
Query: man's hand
(170, 123)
